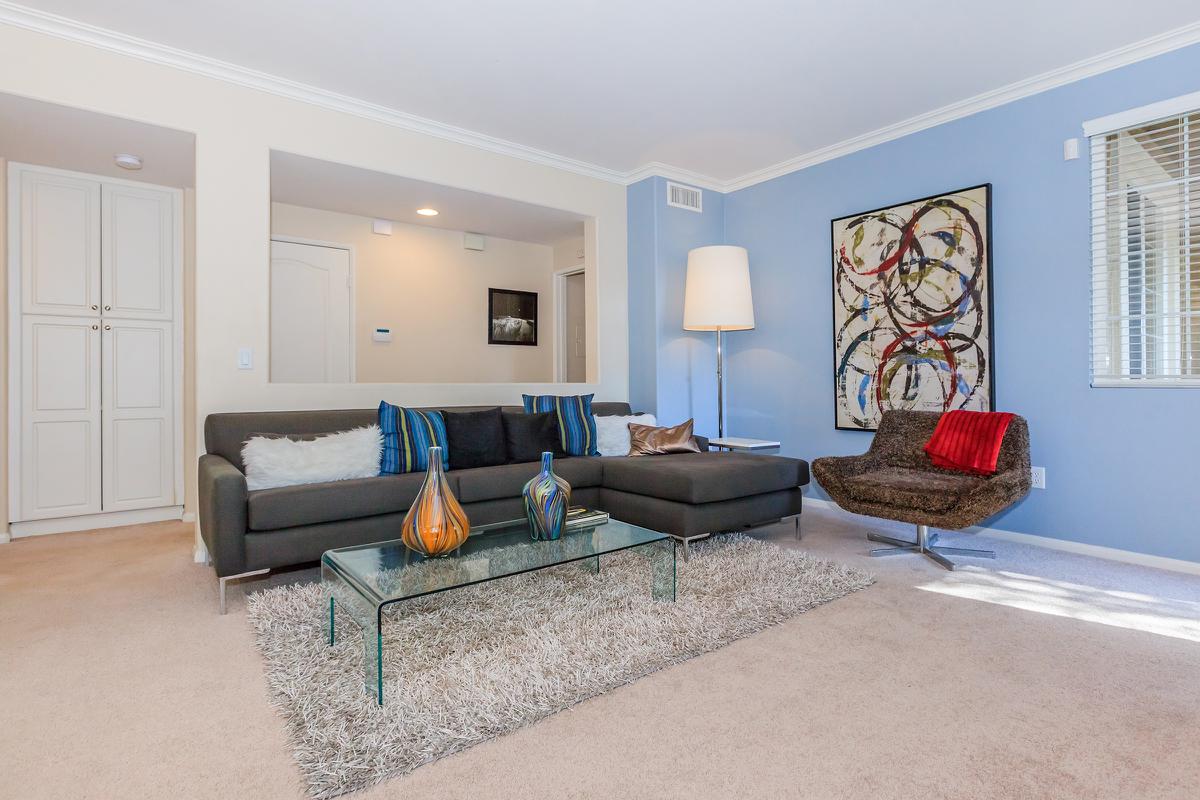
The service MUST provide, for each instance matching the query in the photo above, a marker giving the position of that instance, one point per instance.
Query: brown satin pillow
(647, 440)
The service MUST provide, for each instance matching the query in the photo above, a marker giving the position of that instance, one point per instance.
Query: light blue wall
(643, 314)
(1121, 464)
(672, 371)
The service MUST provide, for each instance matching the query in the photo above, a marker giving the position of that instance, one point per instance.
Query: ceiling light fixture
(427, 212)
(128, 161)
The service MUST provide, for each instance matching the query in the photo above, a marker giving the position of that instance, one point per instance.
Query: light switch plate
(245, 358)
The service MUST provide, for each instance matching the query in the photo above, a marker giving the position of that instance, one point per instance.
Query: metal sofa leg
(228, 578)
(687, 540)
(926, 544)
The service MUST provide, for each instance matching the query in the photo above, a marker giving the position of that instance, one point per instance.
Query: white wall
(4, 348)
(236, 127)
(569, 253)
(433, 293)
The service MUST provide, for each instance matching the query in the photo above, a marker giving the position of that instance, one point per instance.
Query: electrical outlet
(1039, 477)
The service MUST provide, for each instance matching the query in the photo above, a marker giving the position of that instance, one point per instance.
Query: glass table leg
(662, 569)
(373, 659)
(329, 624)
(367, 615)
(591, 565)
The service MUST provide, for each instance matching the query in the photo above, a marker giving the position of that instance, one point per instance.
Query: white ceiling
(716, 87)
(302, 181)
(67, 138)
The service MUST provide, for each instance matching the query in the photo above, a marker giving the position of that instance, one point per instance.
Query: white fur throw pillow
(612, 433)
(272, 462)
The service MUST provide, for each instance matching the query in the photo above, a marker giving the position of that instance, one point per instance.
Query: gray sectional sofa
(688, 495)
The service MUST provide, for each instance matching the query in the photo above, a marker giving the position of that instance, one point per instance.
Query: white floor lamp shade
(717, 298)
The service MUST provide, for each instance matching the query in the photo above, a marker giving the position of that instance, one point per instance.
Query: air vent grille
(688, 197)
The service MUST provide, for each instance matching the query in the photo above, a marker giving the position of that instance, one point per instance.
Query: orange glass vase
(435, 524)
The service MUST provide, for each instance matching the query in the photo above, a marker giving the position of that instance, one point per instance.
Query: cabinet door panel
(59, 244)
(60, 429)
(140, 249)
(139, 445)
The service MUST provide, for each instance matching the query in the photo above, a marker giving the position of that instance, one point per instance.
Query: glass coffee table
(363, 580)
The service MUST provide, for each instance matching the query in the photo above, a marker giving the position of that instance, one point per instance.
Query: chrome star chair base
(926, 544)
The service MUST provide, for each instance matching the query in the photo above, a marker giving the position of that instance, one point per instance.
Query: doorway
(571, 339)
(311, 312)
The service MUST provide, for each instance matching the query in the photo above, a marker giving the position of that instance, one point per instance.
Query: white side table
(739, 443)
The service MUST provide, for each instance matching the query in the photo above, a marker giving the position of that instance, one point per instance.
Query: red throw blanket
(968, 441)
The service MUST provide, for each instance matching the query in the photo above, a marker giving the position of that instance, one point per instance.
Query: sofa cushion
(288, 506)
(493, 483)
(476, 438)
(527, 436)
(924, 490)
(704, 477)
(576, 420)
(408, 433)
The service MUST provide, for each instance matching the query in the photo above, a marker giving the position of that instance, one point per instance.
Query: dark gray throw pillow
(475, 438)
(527, 436)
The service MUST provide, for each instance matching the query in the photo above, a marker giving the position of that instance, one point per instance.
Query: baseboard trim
(88, 522)
(1063, 545)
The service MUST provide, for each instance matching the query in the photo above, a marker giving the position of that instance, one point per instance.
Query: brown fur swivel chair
(895, 479)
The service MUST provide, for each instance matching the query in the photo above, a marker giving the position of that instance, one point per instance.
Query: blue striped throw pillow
(576, 423)
(407, 436)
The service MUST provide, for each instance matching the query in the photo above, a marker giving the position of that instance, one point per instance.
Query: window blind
(1146, 254)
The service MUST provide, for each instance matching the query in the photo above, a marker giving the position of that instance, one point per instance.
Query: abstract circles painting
(912, 308)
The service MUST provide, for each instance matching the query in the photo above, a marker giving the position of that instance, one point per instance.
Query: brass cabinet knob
(95, 327)
(108, 308)
(108, 327)
(94, 306)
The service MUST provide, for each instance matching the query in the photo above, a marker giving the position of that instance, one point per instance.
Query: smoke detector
(128, 161)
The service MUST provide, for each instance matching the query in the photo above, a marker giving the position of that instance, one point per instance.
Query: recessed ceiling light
(128, 161)
(427, 212)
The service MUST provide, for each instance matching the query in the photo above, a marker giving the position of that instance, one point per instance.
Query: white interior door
(140, 247)
(60, 426)
(575, 329)
(310, 314)
(137, 378)
(59, 236)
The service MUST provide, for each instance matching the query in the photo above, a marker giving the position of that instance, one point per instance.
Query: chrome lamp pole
(720, 388)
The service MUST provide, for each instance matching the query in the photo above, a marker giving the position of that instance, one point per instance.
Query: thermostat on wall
(382, 334)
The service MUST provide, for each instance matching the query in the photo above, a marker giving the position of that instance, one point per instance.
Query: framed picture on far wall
(912, 308)
(512, 317)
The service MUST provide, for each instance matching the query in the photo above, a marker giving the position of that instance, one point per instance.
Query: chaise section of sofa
(687, 495)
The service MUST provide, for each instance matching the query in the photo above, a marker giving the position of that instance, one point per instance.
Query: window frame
(1096, 130)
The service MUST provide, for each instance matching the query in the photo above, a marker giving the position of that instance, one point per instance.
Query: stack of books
(580, 517)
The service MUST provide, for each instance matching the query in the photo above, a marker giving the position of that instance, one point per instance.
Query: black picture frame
(520, 309)
(988, 282)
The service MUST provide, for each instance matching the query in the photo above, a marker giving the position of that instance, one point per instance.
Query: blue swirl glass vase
(547, 498)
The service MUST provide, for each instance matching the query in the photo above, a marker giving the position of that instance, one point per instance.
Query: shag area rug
(467, 665)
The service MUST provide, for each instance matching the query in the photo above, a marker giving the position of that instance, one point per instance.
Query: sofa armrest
(701, 442)
(222, 510)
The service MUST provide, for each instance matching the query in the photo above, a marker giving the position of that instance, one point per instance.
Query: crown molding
(73, 30)
(672, 173)
(1120, 57)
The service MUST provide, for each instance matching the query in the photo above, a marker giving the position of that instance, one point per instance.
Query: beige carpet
(1045, 676)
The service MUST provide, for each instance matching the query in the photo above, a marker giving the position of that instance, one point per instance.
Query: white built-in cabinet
(95, 345)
